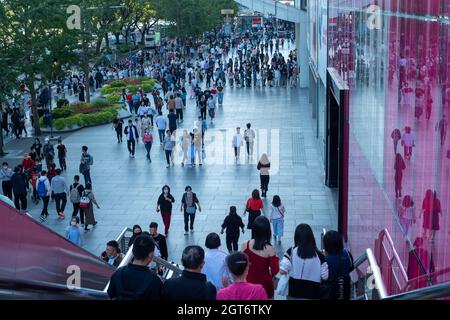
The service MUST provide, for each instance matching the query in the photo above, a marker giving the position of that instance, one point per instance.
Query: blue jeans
(278, 227)
(220, 96)
(161, 134)
(148, 147)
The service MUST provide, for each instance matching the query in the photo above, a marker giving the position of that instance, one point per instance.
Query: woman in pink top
(240, 289)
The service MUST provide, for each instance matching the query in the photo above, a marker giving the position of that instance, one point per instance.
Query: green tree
(34, 45)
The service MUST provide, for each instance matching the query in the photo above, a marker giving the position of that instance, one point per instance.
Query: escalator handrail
(441, 290)
(32, 285)
(385, 233)
(324, 231)
(375, 269)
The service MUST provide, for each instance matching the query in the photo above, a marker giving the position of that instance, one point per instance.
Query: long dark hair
(255, 194)
(261, 233)
(305, 242)
(276, 202)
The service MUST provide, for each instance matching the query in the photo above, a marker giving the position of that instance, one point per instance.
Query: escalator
(31, 253)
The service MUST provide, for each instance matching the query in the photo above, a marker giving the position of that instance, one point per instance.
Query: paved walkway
(127, 189)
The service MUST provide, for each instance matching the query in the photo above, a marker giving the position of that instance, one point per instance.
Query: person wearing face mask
(164, 205)
(112, 255)
(74, 233)
(5, 177)
(137, 231)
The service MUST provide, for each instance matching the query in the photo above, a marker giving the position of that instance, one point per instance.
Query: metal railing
(171, 269)
(437, 291)
(373, 279)
(324, 231)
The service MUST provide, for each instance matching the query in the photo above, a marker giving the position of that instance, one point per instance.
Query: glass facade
(395, 57)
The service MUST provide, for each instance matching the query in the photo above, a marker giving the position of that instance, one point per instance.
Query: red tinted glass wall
(395, 57)
(30, 251)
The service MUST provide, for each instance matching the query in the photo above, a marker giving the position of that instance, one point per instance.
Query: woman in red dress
(262, 256)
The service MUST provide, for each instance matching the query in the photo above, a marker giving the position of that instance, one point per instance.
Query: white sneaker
(186, 233)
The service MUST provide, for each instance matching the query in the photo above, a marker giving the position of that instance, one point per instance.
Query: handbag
(283, 286)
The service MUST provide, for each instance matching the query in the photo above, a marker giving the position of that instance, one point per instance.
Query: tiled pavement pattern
(127, 189)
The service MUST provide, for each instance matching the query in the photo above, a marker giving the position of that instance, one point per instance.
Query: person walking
(211, 107)
(179, 107)
(408, 143)
(340, 264)
(76, 190)
(87, 160)
(60, 191)
(305, 265)
(185, 144)
(164, 205)
(198, 146)
(254, 206)
(147, 139)
(168, 148)
(396, 136)
(276, 216)
(431, 210)
(441, 126)
(132, 134)
(87, 202)
(5, 176)
(49, 153)
(118, 127)
(262, 256)
(19, 187)
(62, 154)
(172, 121)
(215, 267)
(399, 166)
(74, 233)
(189, 204)
(159, 239)
(264, 175)
(161, 124)
(192, 284)
(232, 223)
(249, 137)
(203, 106)
(237, 144)
(44, 191)
(220, 93)
(239, 265)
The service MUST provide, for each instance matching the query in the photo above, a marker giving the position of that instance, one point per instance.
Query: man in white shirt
(161, 124)
(249, 137)
(237, 143)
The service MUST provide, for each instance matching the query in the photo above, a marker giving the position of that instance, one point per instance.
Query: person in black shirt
(117, 125)
(232, 223)
(136, 281)
(19, 186)
(62, 153)
(172, 121)
(159, 239)
(164, 205)
(38, 147)
(192, 284)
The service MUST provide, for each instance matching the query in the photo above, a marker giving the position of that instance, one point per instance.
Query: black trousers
(168, 156)
(251, 217)
(119, 135)
(45, 200)
(203, 113)
(61, 201)
(62, 163)
(232, 242)
(87, 177)
(264, 182)
(20, 201)
(188, 217)
(179, 113)
(7, 189)
(131, 146)
(76, 209)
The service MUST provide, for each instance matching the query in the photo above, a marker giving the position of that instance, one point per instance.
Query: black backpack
(124, 294)
(338, 288)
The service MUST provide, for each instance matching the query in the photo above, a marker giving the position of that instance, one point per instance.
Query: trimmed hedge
(98, 112)
(132, 85)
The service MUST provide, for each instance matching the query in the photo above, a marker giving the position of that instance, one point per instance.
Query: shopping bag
(283, 285)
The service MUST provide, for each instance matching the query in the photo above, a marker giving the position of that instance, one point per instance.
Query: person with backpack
(232, 223)
(189, 203)
(87, 202)
(62, 154)
(76, 190)
(60, 190)
(85, 164)
(136, 281)
(340, 264)
(44, 192)
(147, 139)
